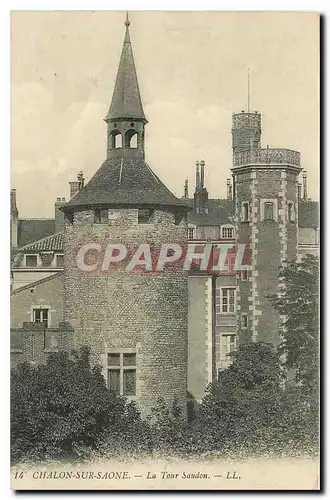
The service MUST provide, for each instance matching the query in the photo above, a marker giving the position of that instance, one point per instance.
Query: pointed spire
(126, 100)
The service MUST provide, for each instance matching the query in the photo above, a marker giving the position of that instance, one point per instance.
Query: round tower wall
(141, 312)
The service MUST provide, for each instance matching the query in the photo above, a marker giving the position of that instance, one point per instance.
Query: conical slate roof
(125, 180)
(126, 100)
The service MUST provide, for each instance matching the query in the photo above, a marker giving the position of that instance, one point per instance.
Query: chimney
(229, 190)
(201, 195)
(76, 186)
(186, 193)
(299, 190)
(198, 179)
(13, 220)
(59, 215)
(202, 173)
(304, 177)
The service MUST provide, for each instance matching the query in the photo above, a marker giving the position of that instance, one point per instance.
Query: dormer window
(59, 260)
(101, 216)
(31, 260)
(191, 233)
(227, 232)
(144, 215)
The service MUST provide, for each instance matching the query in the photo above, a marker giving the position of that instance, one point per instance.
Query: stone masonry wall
(271, 242)
(143, 311)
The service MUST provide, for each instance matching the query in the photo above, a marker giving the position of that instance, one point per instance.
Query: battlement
(273, 156)
(247, 120)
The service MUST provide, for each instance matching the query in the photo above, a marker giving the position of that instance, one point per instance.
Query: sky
(192, 72)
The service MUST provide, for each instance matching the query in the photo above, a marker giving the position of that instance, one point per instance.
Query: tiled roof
(30, 230)
(125, 179)
(308, 214)
(221, 210)
(50, 243)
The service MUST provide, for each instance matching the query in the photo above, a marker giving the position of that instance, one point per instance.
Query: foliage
(248, 410)
(64, 408)
(298, 305)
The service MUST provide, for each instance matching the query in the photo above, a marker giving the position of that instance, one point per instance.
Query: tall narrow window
(268, 210)
(131, 138)
(191, 233)
(290, 212)
(41, 316)
(244, 321)
(59, 260)
(244, 275)
(122, 373)
(229, 344)
(116, 139)
(178, 218)
(227, 304)
(101, 216)
(245, 211)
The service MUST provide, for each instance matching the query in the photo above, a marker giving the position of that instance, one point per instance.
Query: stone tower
(246, 131)
(134, 320)
(266, 206)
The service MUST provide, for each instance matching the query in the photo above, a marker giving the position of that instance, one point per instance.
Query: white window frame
(222, 288)
(227, 344)
(243, 219)
(275, 209)
(244, 315)
(31, 255)
(193, 229)
(227, 227)
(55, 260)
(121, 368)
(41, 307)
(293, 212)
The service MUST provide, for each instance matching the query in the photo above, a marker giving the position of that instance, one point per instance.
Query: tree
(298, 306)
(249, 411)
(63, 407)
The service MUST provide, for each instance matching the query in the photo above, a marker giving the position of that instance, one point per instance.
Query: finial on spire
(127, 23)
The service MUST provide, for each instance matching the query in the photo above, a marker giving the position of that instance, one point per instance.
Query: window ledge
(16, 350)
(51, 349)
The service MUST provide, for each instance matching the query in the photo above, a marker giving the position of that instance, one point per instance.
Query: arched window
(131, 139)
(116, 139)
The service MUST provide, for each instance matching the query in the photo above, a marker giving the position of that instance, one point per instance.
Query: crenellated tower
(265, 191)
(246, 131)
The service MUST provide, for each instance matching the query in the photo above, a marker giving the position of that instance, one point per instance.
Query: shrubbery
(63, 409)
